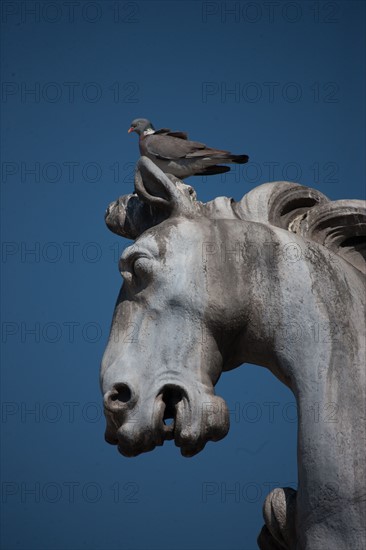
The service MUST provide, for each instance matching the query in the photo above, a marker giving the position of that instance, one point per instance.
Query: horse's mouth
(168, 429)
(187, 449)
(171, 433)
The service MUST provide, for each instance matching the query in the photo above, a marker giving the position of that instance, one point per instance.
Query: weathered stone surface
(276, 279)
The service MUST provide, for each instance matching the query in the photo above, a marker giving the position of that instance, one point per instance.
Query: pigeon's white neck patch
(148, 131)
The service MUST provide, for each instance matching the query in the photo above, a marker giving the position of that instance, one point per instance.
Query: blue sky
(283, 82)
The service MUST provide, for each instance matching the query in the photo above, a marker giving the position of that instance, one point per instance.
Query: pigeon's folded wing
(180, 135)
(168, 132)
(170, 148)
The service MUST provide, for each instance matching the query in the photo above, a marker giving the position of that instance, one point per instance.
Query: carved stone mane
(340, 225)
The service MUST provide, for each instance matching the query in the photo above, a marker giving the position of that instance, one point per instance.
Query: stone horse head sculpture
(275, 279)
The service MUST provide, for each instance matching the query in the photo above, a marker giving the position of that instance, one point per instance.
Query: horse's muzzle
(189, 416)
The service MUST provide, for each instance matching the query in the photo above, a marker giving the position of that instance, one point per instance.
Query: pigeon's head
(141, 126)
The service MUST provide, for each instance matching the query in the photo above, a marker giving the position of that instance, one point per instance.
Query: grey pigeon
(175, 154)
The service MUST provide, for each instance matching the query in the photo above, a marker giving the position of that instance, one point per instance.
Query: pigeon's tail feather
(218, 155)
(239, 159)
(212, 170)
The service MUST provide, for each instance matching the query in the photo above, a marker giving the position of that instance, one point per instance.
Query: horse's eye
(136, 265)
(142, 266)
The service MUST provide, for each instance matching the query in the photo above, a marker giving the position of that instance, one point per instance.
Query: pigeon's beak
(131, 130)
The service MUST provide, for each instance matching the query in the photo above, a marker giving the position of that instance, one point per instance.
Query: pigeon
(175, 154)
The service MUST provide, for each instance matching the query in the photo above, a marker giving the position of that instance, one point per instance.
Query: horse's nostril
(171, 397)
(121, 393)
(117, 397)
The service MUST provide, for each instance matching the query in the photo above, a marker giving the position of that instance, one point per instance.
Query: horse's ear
(157, 189)
(157, 197)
